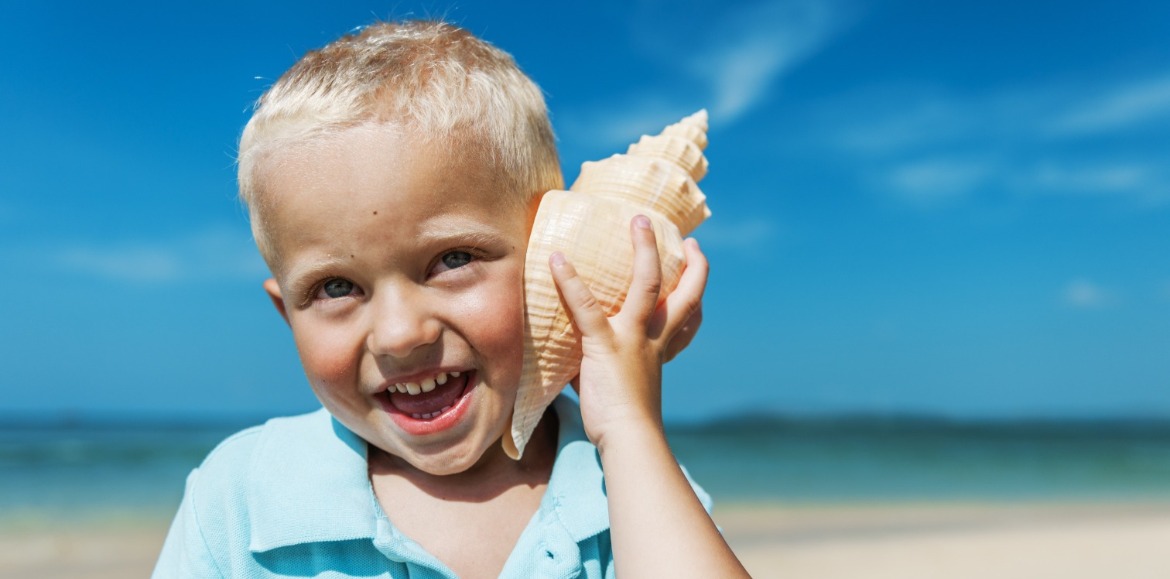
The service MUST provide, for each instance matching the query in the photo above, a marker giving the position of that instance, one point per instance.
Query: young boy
(391, 179)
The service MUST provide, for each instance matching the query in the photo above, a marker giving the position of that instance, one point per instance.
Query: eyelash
(474, 255)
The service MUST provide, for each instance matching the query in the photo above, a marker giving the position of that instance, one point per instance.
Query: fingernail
(641, 221)
(557, 258)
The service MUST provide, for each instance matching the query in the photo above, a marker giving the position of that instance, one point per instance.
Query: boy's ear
(533, 206)
(273, 290)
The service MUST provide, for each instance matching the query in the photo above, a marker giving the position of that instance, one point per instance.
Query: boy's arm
(658, 527)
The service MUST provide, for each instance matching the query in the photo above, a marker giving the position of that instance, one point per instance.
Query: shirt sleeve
(185, 553)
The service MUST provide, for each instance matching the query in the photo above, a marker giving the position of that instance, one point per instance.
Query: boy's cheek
(323, 357)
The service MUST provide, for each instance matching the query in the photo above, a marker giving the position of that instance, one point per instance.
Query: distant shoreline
(738, 422)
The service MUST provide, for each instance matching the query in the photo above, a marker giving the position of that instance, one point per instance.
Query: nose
(403, 323)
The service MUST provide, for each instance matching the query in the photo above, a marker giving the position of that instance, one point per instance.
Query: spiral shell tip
(699, 119)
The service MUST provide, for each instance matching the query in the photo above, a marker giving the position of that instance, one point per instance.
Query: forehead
(348, 161)
(373, 185)
(371, 171)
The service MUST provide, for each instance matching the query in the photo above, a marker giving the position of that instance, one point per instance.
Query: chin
(455, 460)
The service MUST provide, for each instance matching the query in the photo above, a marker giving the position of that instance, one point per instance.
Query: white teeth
(429, 415)
(426, 385)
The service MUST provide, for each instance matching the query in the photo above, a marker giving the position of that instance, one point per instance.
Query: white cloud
(930, 120)
(1085, 294)
(625, 123)
(735, 234)
(938, 179)
(126, 262)
(889, 120)
(935, 180)
(1098, 179)
(1118, 108)
(732, 63)
(213, 254)
(746, 51)
(1043, 139)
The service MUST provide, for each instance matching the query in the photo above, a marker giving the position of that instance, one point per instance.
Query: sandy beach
(1119, 540)
(955, 541)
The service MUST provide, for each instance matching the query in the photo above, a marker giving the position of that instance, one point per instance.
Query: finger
(685, 334)
(583, 307)
(687, 297)
(642, 297)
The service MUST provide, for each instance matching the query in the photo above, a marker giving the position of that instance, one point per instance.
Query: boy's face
(400, 264)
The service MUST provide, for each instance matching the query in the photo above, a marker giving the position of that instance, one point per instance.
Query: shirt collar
(297, 462)
(576, 489)
(301, 459)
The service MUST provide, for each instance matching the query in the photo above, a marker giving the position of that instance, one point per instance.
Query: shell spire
(657, 177)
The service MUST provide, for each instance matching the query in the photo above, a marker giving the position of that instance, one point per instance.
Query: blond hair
(431, 78)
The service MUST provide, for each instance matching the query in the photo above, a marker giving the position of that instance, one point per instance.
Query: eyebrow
(474, 233)
(296, 276)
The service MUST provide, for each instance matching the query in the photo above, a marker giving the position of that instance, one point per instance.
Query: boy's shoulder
(296, 481)
(298, 467)
(253, 451)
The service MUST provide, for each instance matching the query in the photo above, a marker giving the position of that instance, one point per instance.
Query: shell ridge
(657, 177)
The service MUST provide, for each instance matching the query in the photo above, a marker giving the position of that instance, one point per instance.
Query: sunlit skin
(658, 528)
(395, 259)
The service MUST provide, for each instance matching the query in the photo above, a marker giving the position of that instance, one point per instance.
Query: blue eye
(337, 288)
(455, 259)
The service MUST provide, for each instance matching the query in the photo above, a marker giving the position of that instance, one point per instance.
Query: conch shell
(590, 225)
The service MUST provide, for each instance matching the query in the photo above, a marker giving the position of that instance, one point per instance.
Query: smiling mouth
(430, 398)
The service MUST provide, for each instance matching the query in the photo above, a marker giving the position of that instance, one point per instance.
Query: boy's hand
(658, 527)
(620, 384)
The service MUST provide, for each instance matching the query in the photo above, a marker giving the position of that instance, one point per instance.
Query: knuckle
(695, 306)
(694, 309)
(652, 286)
(587, 301)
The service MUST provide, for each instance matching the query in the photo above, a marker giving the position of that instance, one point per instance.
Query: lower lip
(422, 427)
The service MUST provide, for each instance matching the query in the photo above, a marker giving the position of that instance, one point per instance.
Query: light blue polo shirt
(292, 498)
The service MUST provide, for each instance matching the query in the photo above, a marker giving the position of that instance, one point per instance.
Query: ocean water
(111, 470)
(135, 471)
(911, 459)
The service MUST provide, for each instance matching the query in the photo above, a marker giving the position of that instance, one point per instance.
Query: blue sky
(919, 207)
